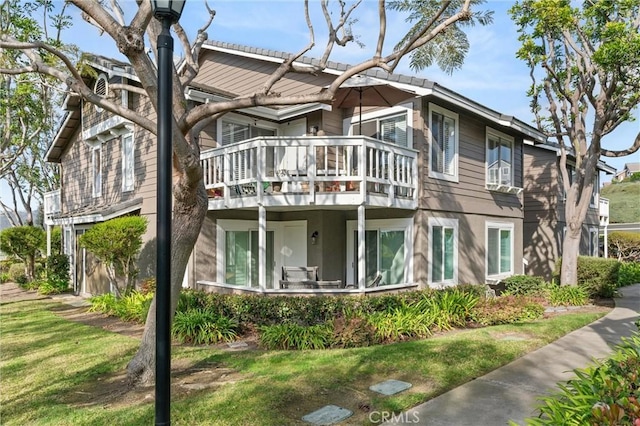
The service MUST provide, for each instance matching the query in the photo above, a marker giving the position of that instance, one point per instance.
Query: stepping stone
(327, 415)
(390, 387)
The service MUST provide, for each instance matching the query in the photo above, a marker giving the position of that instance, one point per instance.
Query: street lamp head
(167, 9)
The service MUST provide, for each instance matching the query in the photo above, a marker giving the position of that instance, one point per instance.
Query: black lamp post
(167, 12)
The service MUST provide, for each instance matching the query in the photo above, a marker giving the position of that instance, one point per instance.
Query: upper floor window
(128, 162)
(236, 131)
(444, 143)
(390, 128)
(499, 158)
(96, 166)
(499, 249)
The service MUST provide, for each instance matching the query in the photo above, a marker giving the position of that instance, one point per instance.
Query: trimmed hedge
(598, 276)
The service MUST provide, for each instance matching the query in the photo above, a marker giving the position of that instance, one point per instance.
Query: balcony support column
(361, 248)
(262, 247)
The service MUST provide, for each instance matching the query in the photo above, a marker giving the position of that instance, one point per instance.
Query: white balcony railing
(315, 170)
(52, 204)
(603, 211)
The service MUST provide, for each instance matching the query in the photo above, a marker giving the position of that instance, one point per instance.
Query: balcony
(52, 205)
(603, 211)
(310, 172)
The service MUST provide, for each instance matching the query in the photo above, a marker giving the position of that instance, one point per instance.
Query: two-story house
(427, 192)
(544, 218)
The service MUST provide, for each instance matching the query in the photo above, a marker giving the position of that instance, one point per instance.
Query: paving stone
(328, 415)
(390, 387)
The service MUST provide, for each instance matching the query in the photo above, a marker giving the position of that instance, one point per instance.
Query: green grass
(46, 361)
(624, 201)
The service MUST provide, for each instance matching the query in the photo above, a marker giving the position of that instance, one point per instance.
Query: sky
(491, 74)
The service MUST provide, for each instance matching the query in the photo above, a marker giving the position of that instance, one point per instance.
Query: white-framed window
(388, 251)
(499, 158)
(444, 136)
(443, 251)
(499, 256)
(96, 166)
(128, 162)
(388, 128)
(236, 128)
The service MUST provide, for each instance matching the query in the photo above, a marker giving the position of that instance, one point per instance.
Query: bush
(133, 307)
(105, 303)
(4, 277)
(524, 285)
(604, 394)
(199, 326)
(449, 308)
(624, 246)
(598, 276)
(17, 273)
(53, 285)
(353, 332)
(506, 310)
(566, 295)
(628, 274)
(402, 324)
(294, 336)
(58, 267)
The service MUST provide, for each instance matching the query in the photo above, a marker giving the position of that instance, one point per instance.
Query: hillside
(624, 201)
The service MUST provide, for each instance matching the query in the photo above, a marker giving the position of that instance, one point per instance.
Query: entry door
(294, 245)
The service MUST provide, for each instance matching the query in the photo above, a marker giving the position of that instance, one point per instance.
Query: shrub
(449, 308)
(294, 336)
(598, 276)
(401, 324)
(58, 266)
(4, 277)
(604, 394)
(524, 285)
(624, 246)
(506, 310)
(566, 295)
(199, 326)
(17, 273)
(628, 274)
(353, 332)
(105, 303)
(133, 307)
(24, 242)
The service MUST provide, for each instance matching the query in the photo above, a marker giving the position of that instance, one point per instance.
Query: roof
(427, 87)
(632, 167)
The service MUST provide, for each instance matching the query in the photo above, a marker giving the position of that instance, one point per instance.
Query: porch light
(314, 237)
(167, 12)
(167, 9)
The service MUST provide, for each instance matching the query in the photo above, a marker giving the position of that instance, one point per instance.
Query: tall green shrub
(117, 243)
(597, 275)
(24, 242)
(629, 274)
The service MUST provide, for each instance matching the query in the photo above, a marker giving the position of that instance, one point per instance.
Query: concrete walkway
(511, 392)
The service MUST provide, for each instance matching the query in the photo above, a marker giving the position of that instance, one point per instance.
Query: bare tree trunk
(190, 208)
(570, 251)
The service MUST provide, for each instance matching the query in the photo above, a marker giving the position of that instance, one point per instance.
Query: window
(444, 143)
(499, 249)
(233, 131)
(128, 163)
(241, 258)
(391, 129)
(96, 161)
(443, 256)
(387, 251)
(499, 158)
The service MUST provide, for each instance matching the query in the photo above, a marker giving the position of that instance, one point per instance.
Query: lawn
(54, 371)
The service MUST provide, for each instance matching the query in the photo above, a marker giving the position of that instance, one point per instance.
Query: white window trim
(449, 223)
(405, 225)
(224, 225)
(500, 226)
(351, 123)
(437, 175)
(97, 191)
(492, 132)
(130, 188)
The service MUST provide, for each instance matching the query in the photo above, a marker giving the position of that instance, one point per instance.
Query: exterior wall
(544, 217)
(469, 194)
(472, 251)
